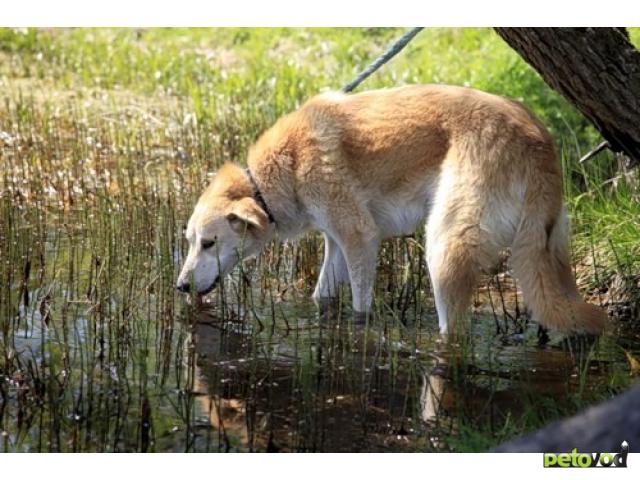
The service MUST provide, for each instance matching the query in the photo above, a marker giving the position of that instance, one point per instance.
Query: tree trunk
(596, 69)
(601, 428)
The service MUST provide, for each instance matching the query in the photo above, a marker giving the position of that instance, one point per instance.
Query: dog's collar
(257, 195)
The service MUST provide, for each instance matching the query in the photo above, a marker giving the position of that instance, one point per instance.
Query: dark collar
(257, 195)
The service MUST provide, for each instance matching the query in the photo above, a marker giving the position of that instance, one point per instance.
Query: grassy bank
(107, 137)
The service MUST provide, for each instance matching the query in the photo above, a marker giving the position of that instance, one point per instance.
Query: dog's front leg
(361, 259)
(350, 224)
(333, 273)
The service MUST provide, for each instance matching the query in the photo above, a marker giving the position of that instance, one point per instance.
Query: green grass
(273, 70)
(236, 82)
(107, 137)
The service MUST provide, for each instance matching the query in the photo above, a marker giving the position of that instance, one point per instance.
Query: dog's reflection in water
(321, 388)
(340, 387)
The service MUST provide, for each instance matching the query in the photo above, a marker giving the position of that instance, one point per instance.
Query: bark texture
(598, 429)
(596, 69)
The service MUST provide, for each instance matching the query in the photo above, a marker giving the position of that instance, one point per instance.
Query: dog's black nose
(184, 287)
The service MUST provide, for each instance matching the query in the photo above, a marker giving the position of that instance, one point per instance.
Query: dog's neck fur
(275, 178)
(273, 163)
(257, 195)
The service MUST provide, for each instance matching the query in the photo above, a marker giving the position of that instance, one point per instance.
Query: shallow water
(283, 378)
(329, 386)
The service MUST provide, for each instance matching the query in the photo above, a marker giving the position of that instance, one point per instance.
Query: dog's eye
(207, 243)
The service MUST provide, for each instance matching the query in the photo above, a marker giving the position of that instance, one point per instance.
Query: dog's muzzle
(185, 287)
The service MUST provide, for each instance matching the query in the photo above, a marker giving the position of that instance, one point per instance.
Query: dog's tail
(541, 263)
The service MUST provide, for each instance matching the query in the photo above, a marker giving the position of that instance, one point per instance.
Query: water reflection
(331, 386)
(233, 380)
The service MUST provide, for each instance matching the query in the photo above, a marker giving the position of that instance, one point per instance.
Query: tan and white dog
(479, 168)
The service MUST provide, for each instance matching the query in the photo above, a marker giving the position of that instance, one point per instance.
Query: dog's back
(481, 168)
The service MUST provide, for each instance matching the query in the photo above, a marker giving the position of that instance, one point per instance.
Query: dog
(480, 169)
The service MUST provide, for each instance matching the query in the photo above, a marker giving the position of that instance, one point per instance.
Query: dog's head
(227, 225)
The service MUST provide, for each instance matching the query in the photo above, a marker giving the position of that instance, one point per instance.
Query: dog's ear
(247, 215)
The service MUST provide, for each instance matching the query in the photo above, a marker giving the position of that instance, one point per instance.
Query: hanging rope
(595, 151)
(391, 52)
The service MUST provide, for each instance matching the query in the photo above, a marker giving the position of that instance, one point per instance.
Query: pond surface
(222, 377)
(330, 386)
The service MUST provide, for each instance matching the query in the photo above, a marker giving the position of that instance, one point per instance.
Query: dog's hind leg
(453, 255)
(454, 274)
(334, 271)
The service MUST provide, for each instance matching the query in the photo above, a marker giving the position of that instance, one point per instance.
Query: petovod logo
(576, 459)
